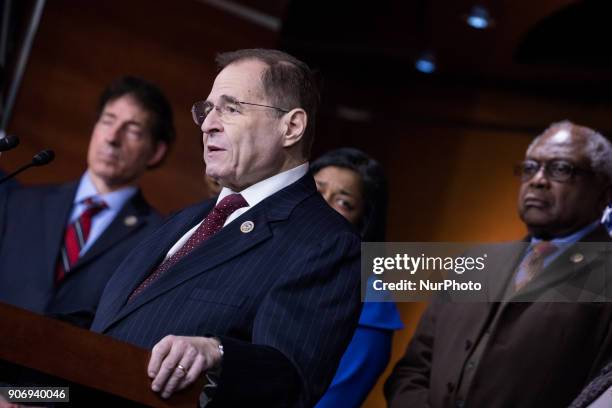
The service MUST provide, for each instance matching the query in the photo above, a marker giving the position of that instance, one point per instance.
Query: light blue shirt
(114, 203)
(562, 243)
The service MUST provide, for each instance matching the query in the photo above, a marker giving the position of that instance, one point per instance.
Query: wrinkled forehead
(559, 143)
(239, 80)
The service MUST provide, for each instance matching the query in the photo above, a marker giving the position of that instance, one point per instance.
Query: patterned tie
(533, 263)
(75, 238)
(210, 226)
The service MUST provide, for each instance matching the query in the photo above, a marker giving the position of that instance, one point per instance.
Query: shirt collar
(265, 188)
(114, 200)
(570, 239)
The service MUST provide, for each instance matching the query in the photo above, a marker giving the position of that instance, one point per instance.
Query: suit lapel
(574, 259)
(502, 260)
(227, 244)
(130, 219)
(56, 210)
(151, 252)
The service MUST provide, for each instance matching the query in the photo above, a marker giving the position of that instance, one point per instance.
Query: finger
(159, 352)
(197, 368)
(168, 365)
(189, 353)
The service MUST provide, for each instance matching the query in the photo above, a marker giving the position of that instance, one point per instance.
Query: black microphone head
(8, 142)
(43, 157)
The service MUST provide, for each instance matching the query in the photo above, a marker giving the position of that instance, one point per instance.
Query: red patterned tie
(534, 263)
(75, 238)
(211, 225)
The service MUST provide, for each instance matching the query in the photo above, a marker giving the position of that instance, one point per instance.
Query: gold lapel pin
(247, 226)
(577, 257)
(130, 220)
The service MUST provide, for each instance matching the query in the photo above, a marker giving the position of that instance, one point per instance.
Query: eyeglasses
(227, 109)
(557, 170)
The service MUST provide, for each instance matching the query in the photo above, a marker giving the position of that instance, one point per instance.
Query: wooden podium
(83, 357)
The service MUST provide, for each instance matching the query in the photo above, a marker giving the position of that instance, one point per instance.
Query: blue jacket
(365, 358)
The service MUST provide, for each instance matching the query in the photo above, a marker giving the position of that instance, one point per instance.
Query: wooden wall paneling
(448, 148)
(79, 50)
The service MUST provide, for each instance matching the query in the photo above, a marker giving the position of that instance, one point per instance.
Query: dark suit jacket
(32, 223)
(539, 354)
(7, 184)
(283, 298)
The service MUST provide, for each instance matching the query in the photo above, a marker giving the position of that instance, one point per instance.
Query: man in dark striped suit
(261, 284)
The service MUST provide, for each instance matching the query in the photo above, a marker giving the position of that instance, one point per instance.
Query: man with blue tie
(549, 328)
(59, 244)
(259, 288)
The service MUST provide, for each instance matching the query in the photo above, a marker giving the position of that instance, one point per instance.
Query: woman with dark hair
(354, 185)
(365, 175)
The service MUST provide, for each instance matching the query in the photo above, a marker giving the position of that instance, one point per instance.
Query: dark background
(447, 140)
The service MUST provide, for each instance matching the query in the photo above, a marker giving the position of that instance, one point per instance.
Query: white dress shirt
(252, 195)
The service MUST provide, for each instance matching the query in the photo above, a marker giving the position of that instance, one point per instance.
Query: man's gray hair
(598, 148)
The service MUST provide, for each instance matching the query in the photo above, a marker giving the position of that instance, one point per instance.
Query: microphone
(40, 159)
(43, 157)
(8, 142)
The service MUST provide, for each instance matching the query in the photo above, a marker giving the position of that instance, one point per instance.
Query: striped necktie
(75, 238)
(533, 263)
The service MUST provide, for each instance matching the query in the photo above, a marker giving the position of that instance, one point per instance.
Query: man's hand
(178, 361)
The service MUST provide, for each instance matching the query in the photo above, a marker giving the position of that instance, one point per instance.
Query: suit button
(471, 364)
(468, 345)
(450, 387)
(459, 403)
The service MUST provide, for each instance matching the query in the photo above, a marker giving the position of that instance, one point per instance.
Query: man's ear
(158, 154)
(294, 126)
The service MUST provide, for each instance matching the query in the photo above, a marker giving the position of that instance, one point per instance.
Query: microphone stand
(19, 170)
(40, 159)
